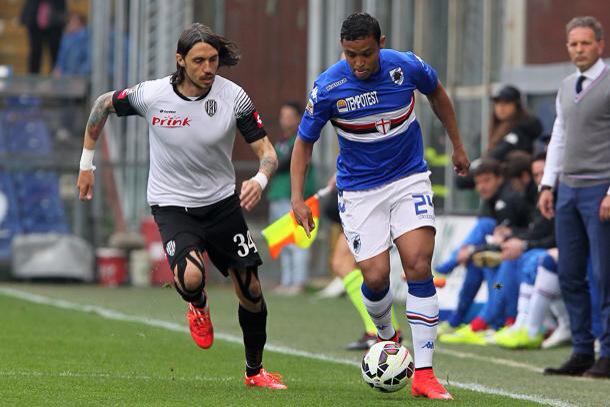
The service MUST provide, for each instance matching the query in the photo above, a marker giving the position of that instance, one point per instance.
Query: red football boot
(200, 324)
(425, 384)
(265, 379)
(396, 338)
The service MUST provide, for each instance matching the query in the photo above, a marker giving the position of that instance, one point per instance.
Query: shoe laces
(200, 317)
(274, 377)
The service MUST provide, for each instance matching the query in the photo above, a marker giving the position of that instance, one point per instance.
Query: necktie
(579, 82)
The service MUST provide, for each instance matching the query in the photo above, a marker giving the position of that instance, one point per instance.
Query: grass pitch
(130, 346)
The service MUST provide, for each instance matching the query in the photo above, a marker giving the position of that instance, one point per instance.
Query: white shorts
(373, 218)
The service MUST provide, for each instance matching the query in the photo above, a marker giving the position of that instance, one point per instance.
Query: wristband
(86, 160)
(261, 179)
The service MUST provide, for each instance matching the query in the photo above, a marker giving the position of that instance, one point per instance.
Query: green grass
(54, 356)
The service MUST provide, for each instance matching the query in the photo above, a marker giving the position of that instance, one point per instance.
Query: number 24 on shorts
(420, 202)
(244, 244)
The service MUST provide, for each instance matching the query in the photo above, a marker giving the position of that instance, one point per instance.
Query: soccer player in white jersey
(383, 181)
(192, 117)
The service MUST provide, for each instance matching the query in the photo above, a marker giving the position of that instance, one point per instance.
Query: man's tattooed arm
(99, 113)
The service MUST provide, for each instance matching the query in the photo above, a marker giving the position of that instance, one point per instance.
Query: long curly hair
(228, 52)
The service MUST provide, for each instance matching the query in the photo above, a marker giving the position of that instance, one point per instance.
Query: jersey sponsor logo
(170, 248)
(210, 107)
(397, 76)
(336, 84)
(171, 121)
(309, 107)
(357, 102)
(259, 121)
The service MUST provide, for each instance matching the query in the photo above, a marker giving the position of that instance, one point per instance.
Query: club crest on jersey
(397, 76)
(383, 126)
(210, 107)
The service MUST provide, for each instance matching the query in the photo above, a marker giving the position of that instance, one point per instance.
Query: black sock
(254, 328)
(201, 302)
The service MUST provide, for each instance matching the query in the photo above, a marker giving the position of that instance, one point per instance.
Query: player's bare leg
(189, 279)
(253, 321)
(415, 249)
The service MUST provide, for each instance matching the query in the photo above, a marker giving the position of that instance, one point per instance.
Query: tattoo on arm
(99, 113)
(268, 165)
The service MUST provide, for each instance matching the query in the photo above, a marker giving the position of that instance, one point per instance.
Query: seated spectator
(74, 50)
(511, 128)
(501, 207)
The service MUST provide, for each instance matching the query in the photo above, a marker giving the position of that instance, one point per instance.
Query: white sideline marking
(171, 326)
(122, 376)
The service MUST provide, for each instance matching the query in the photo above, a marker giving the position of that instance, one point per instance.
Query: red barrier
(111, 266)
(160, 273)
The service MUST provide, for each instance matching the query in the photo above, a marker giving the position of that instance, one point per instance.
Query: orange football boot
(200, 324)
(265, 379)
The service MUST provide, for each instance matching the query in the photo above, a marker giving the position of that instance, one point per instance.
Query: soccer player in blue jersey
(383, 182)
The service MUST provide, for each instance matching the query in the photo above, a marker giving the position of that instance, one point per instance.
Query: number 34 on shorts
(245, 244)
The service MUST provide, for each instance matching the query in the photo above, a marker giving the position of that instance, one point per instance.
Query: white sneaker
(560, 336)
(334, 289)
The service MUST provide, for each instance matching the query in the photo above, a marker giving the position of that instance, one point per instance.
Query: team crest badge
(356, 244)
(383, 126)
(397, 76)
(170, 247)
(210, 107)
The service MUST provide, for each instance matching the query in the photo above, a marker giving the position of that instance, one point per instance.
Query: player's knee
(193, 277)
(417, 267)
(377, 281)
(189, 276)
(248, 285)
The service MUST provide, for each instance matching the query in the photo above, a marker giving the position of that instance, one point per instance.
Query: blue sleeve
(423, 75)
(317, 112)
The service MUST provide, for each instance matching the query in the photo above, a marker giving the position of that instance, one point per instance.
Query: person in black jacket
(511, 128)
(44, 20)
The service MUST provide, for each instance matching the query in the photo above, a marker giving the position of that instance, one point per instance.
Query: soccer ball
(387, 366)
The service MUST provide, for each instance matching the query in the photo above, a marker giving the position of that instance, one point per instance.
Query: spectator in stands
(578, 167)
(511, 128)
(501, 207)
(536, 252)
(294, 261)
(44, 20)
(74, 50)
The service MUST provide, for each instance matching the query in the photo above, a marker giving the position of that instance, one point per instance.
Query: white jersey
(191, 141)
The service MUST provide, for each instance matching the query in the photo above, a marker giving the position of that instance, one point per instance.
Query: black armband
(251, 127)
(121, 104)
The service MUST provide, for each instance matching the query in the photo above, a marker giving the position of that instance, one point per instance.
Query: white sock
(545, 289)
(525, 294)
(422, 313)
(379, 307)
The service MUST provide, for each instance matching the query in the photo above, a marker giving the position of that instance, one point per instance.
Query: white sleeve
(555, 151)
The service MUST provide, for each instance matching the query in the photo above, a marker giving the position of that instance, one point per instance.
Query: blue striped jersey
(379, 137)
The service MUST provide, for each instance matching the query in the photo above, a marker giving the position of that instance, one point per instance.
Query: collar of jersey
(181, 96)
